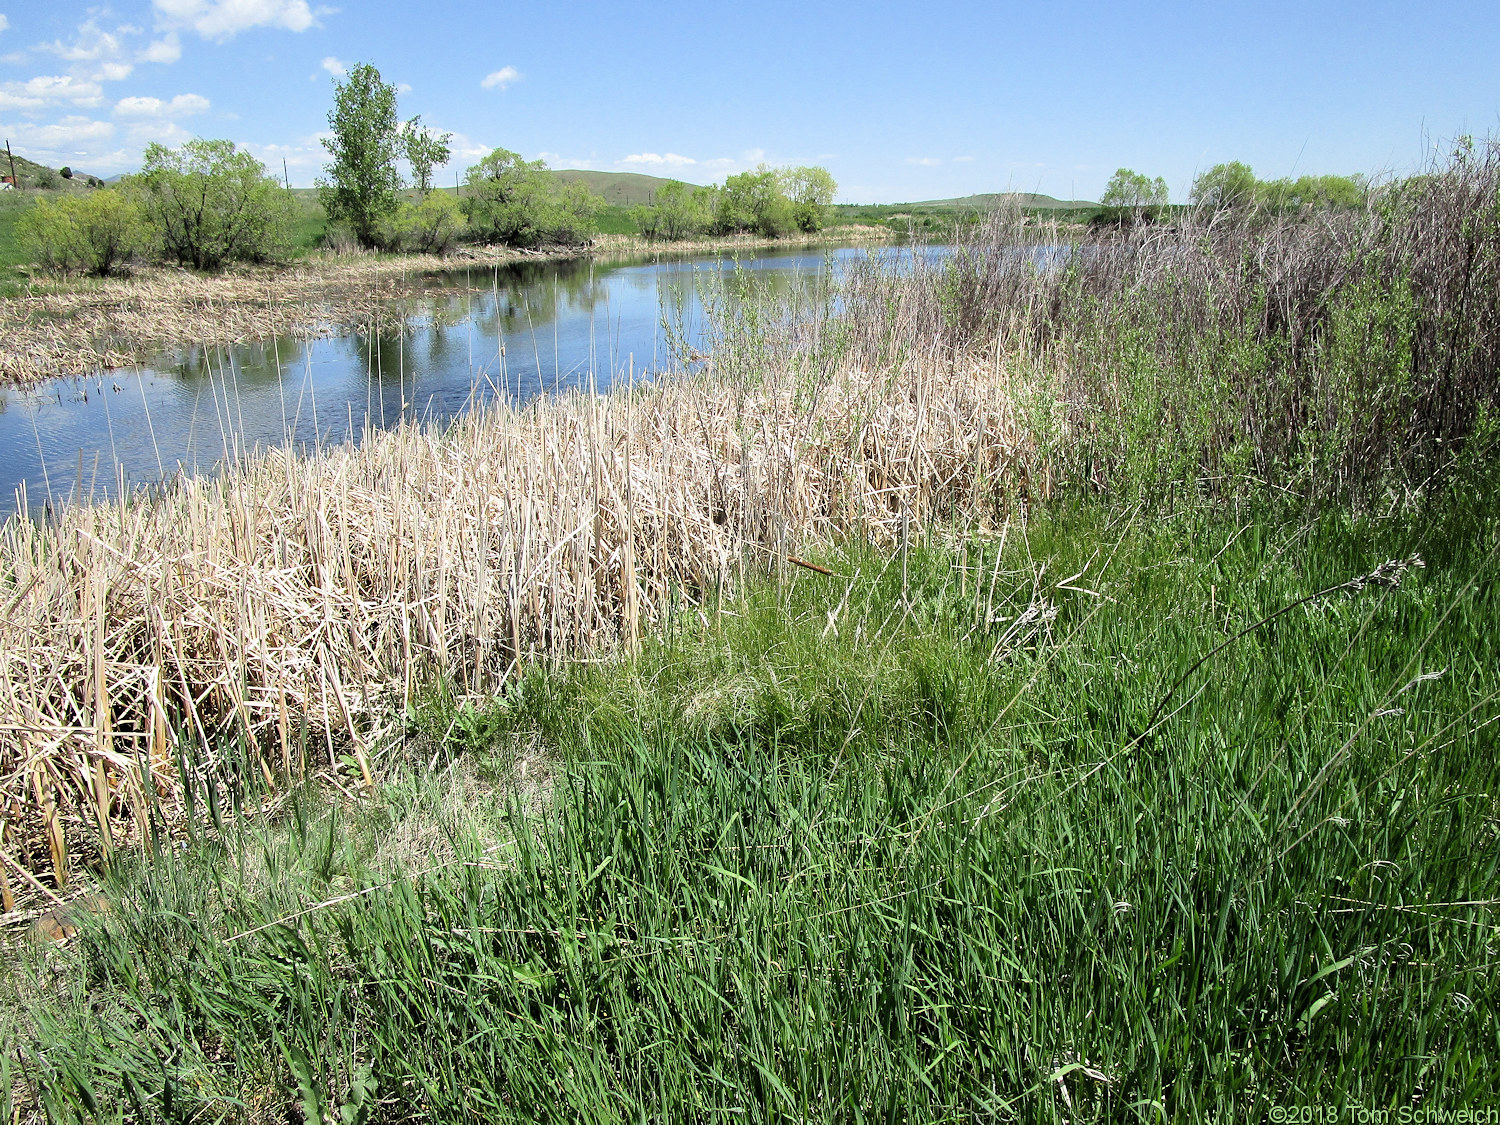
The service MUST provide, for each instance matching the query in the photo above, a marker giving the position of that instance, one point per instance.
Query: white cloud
(223, 19)
(403, 87)
(76, 140)
(501, 78)
(183, 105)
(963, 160)
(50, 90)
(92, 44)
(557, 160)
(304, 159)
(4, 23)
(167, 49)
(335, 67)
(924, 161)
(466, 148)
(669, 159)
(66, 135)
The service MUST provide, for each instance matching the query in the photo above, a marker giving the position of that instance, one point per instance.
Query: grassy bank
(957, 833)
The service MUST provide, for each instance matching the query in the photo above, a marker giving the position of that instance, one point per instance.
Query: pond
(475, 335)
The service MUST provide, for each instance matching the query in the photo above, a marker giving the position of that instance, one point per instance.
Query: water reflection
(471, 336)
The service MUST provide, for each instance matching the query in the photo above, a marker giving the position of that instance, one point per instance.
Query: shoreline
(80, 327)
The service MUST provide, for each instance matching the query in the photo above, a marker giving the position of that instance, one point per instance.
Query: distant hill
(626, 189)
(620, 189)
(992, 200)
(31, 174)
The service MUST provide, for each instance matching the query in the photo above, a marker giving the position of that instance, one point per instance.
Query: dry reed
(297, 601)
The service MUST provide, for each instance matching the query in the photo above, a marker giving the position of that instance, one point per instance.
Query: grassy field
(964, 833)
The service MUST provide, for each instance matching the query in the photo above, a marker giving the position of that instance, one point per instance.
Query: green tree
(362, 181)
(210, 203)
(754, 201)
(424, 150)
(678, 211)
(1131, 194)
(431, 226)
(811, 190)
(98, 232)
(1225, 187)
(1312, 192)
(513, 201)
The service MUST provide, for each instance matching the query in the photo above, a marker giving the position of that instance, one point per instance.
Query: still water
(476, 336)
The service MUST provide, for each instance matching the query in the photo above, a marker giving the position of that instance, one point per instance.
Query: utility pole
(14, 181)
(285, 175)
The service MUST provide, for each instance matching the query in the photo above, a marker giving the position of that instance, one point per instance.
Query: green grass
(309, 223)
(901, 843)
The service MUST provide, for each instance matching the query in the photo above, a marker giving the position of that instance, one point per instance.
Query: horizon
(970, 100)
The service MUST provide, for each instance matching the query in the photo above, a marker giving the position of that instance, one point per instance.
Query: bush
(513, 201)
(679, 211)
(754, 201)
(48, 180)
(432, 226)
(210, 203)
(811, 190)
(96, 233)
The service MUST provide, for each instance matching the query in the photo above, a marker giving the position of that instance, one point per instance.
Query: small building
(7, 183)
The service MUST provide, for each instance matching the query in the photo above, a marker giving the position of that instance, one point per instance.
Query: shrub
(48, 180)
(1132, 197)
(514, 201)
(679, 211)
(211, 203)
(96, 233)
(432, 226)
(754, 201)
(811, 190)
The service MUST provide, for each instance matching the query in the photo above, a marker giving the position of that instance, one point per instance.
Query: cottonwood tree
(1133, 195)
(425, 150)
(754, 201)
(811, 190)
(366, 142)
(1225, 187)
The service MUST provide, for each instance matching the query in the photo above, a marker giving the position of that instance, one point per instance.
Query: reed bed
(1344, 355)
(277, 618)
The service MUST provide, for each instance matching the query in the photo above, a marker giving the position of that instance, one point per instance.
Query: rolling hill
(619, 189)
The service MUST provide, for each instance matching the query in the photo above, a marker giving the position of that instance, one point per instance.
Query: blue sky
(900, 102)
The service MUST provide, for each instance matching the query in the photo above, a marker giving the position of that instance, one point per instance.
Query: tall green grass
(915, 840)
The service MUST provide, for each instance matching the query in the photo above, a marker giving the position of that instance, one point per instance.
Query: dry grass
(302, 599)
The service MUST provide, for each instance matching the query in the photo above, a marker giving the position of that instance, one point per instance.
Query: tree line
(771, 202)
(1132, 197)
(209, 203)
